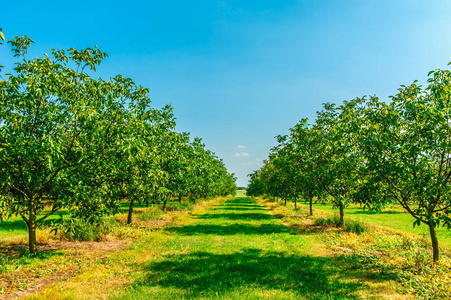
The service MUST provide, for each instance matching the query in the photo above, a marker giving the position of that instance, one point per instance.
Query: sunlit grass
(233, 249)
(238, 251)
(14, 228)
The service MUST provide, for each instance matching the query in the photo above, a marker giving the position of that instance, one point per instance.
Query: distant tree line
(370, 152)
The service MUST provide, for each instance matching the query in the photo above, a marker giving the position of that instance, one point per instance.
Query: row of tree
(371, 152)
(72, 142)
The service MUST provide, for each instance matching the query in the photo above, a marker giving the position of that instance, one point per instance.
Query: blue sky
(241, 72)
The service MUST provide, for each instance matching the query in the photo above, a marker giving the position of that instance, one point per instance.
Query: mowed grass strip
(223, 249)
(239, 251)
(114, 270)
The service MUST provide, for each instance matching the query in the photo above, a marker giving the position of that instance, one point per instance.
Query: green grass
(398, 256)
(233, 249)
(241, 193)
(349, 226)
(21, 272)
(12, 227)
(237, 251)
(15, 227)
(393, 216)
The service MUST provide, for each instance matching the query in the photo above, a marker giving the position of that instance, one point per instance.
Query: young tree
(256, 186)
(139, 173)
(337, 160)
(304, 152)
(286, 170)
(408, 144)
(59, 128)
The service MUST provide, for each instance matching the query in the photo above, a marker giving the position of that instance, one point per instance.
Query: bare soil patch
(111, 244)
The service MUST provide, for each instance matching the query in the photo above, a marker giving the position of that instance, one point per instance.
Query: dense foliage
(69, 141)
(370, 152)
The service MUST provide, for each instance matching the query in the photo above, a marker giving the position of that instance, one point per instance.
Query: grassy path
(238, 251)
(227, 249)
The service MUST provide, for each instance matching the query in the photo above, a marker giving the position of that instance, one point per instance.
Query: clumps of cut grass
(327, 221)
(13, 260)
(349, 225)
(355, 227)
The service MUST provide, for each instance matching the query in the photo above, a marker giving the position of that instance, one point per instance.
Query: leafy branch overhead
(2, 37)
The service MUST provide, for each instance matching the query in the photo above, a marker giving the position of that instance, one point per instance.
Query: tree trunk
(130, 212)
(31, 224)
(311, 203)
(434, 240)
(285, 201)
(180, 199)
(295, 204)
(342, 215)
(164, 205)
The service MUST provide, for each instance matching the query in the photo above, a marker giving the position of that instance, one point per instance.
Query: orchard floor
(236, 249)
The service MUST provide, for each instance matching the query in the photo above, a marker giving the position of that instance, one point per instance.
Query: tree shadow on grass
(238, 208)
(238, 216)
(241, 202)
(242, 199)
(239, 205)
(231, 229)
(202, 273)
(362, 212)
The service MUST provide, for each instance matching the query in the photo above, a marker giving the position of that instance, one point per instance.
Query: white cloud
(240, 147)
(241, 154)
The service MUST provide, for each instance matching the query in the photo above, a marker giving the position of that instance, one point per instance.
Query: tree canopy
(370, 152)
(70, 141)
